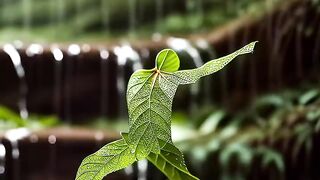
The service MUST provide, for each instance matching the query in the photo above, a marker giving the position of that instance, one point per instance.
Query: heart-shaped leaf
(167, 60)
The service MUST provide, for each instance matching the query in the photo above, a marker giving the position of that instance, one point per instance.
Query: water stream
(16, 61)
(142, 169)
(74, 52)
(52, 140)
(13, 136)
(104, 55)
(58, 57)
(2, 161)
(125, 54)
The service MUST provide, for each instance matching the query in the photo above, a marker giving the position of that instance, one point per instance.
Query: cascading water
(58, 57)
(124, 54)
(16, 61)
(2, 161)
(13, 136)
(104, 55)
(74, 52)
(142, 169)
(52, 140)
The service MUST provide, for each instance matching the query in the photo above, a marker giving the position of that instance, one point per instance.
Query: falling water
(52, 140)
(104, 55)
(58, 56)
(179, 44)
(14, 135)
(124, 54)
(16, 60)
(2, 160)
(142, 169)
(74, 51)
(122, 60)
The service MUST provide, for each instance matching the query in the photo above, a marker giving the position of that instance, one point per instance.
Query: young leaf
(167, 60)
(149, 97)
(170, 161)
(112, 157)
(150, 94)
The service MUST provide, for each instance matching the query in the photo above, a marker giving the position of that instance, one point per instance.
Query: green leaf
(112, 157)
(170, 161)
(191, 76)
(167, 60)
(150, 95)
(309, 96)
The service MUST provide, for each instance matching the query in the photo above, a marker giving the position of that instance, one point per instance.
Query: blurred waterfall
(126, 55)
(74, 52)
(104, 55)
(142, 169)
(52, 139)
(58, 56)
(16, 61)
(14, 135)
(2, 160)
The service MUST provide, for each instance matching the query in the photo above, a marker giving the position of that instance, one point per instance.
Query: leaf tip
(248, 48)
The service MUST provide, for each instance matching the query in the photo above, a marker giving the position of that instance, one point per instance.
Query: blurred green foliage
(10, 119)
(60, 20)
(250, 139)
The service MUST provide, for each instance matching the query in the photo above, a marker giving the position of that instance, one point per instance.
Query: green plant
(149, 97)
(10, 119)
